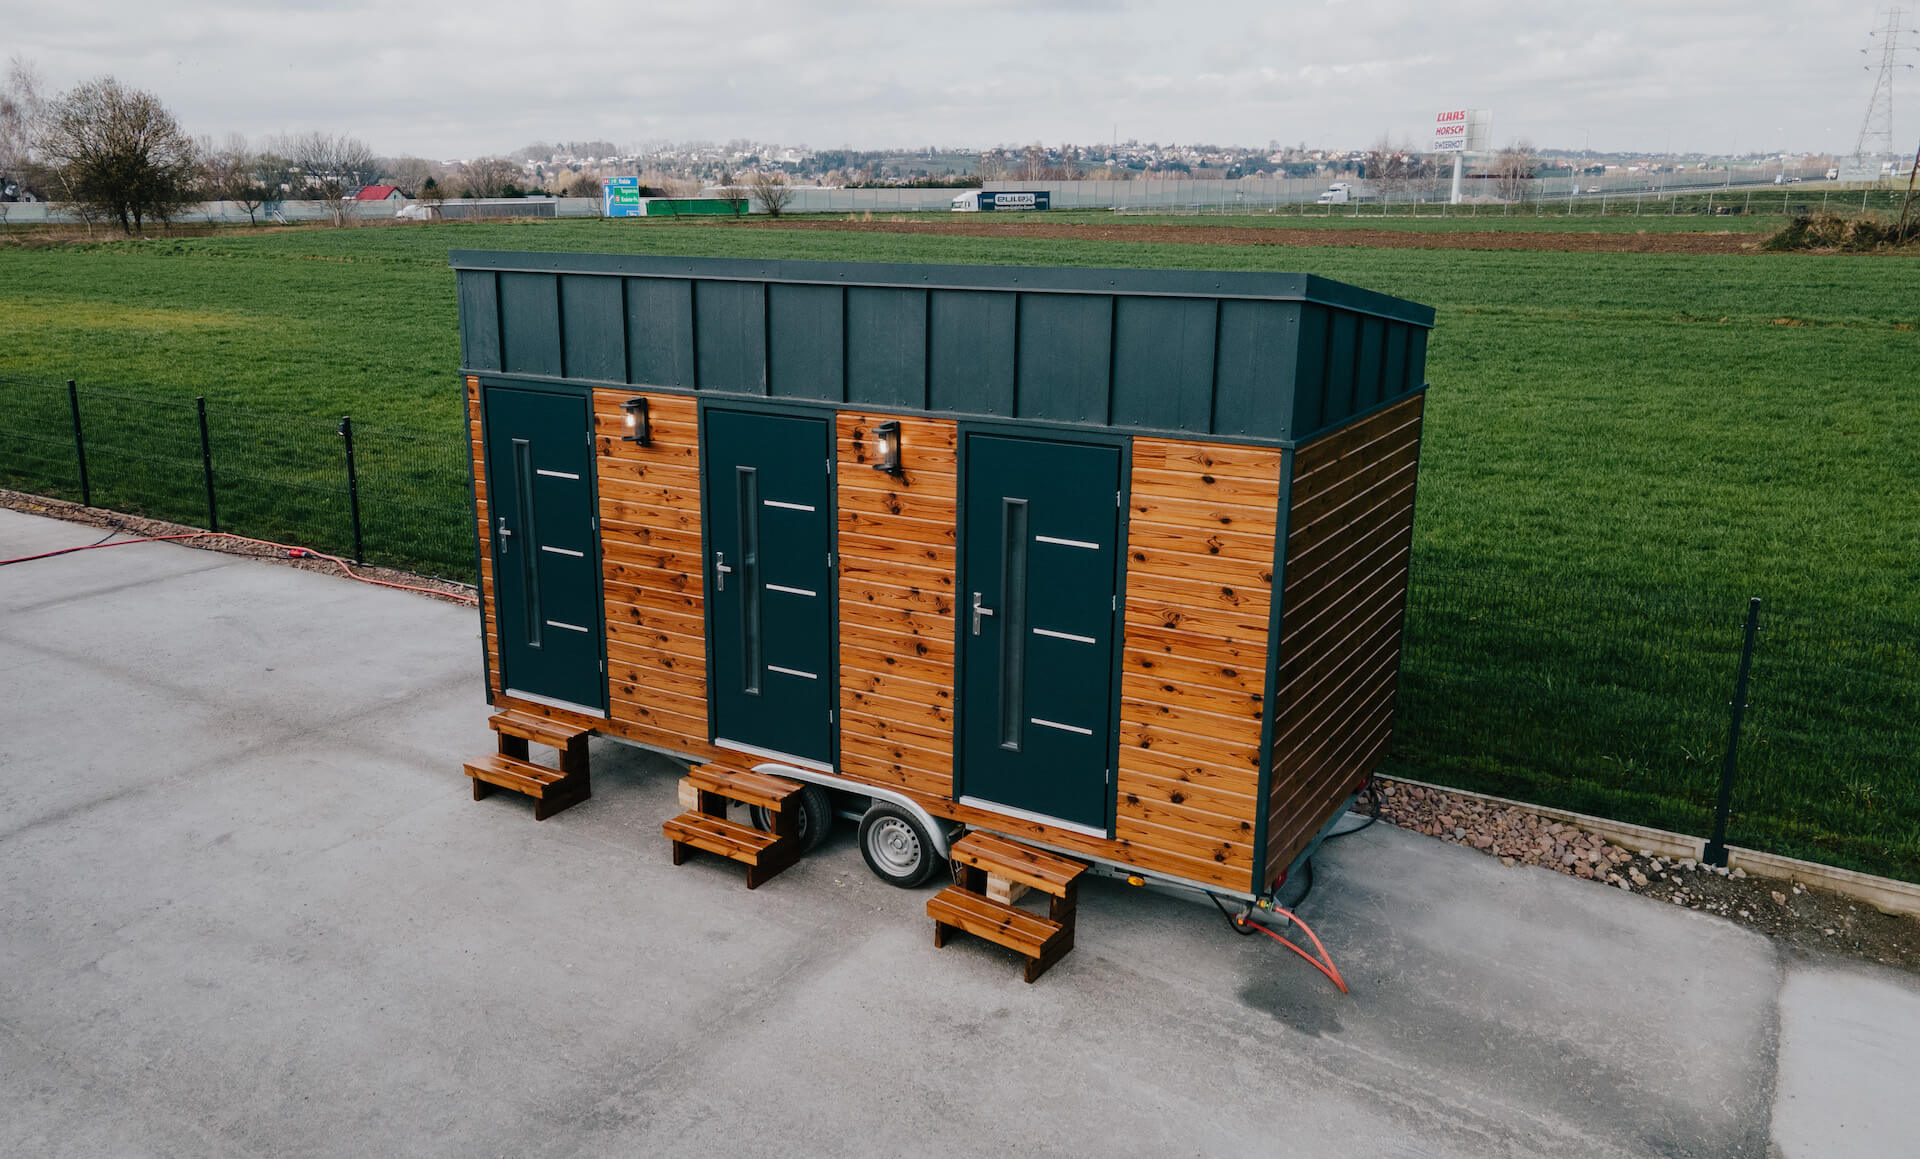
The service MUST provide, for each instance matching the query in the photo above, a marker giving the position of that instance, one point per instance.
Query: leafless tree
(729, 191)
(585, 185)
(408, 173)
(333, 167)
(432, 195)
(771, 190)
(22, 115)
(1513, 168)
(992, 165)
(488, 176)
(120, 152)
(232, 172)
(1034, 162)
(1396, 170)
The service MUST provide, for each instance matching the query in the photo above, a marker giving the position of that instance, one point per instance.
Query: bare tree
(584, 185)
(1394, 170)
(488, 176)
(333, 167)
(408, 173)
(232, 172)
(727, 190)
(771, 190)
(120, 152)
(1034, 162)
(1513, 168)
(22, 115)
(992, 165)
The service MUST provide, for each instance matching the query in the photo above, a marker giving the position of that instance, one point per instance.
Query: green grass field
(1620, 448)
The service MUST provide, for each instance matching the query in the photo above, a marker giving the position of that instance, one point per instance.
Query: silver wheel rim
(894, 846)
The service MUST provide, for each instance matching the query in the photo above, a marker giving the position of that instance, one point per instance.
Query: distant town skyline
(1635, 76)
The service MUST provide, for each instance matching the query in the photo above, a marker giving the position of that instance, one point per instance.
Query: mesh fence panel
(1604, 698)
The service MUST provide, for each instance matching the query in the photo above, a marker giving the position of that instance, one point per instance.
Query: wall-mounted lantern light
(637, 429)
(887, 435)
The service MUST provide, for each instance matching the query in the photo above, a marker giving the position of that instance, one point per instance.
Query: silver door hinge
(1113, 603)
(829, 716)
(829, 468)
(830, 564)
(1116, 500)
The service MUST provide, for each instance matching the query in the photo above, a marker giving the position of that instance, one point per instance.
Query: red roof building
(380, 193)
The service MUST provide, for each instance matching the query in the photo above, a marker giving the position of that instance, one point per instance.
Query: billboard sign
(1461, 131)
(620, 196)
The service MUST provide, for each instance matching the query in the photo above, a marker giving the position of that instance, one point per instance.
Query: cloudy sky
(446, 79)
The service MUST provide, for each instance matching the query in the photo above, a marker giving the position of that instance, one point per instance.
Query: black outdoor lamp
(888, 434)
(637, 429)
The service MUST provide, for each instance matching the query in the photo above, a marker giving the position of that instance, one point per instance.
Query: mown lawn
(1620, 448)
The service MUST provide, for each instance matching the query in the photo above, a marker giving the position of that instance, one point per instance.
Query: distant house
(380, 193)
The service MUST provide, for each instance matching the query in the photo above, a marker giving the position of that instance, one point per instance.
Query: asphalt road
(247, 906)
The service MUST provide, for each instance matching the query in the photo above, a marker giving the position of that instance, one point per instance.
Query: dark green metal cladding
(1266, 358)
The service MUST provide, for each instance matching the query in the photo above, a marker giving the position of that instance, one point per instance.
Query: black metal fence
(377, 493)
(1603, 698)
(1615, 700)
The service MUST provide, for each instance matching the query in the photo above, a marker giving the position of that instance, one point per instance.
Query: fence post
(353, 489)
(79, 444)
(1716, 851)
(206, 463)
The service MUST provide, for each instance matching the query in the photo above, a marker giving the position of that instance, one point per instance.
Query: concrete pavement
(247, 906)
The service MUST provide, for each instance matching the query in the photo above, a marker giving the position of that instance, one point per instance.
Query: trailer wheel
(814, 819)
(896, 847)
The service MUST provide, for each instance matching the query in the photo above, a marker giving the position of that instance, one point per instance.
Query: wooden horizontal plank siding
(1350, 531)
(651, 571)
(477, 436)
(1200, 532)
(896, 547)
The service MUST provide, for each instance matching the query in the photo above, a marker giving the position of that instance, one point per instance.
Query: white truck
(1339, 193)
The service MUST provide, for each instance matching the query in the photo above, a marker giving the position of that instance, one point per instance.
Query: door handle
(979, 611)
(504, 535)
(720, 571)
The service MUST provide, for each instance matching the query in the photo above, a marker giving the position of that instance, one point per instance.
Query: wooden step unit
(513, 768)
(705, 826)
(988, 865)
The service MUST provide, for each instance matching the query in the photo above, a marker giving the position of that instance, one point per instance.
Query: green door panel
(1041, 528)
(769, 535)
(546, 557)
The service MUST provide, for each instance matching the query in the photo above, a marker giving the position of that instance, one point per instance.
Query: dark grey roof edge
(1286, 287)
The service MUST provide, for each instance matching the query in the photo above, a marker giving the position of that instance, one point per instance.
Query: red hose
(1323, 963)
(292, 550)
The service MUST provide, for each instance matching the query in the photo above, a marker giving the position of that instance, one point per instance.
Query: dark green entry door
(546, 558)
(769, 535)
(1040, 530)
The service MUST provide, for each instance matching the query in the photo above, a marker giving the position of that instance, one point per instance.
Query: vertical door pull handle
(720, 571)
(504, 535)
(979, 611)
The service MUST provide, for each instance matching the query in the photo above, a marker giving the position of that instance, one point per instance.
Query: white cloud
(489, 76)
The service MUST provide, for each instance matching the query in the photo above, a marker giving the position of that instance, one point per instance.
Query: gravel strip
(1812, 920)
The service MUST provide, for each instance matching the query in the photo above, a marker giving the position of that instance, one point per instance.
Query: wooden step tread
(769, 792)
(1022, 863)
(514, 773)
(538, 729)
(719, 836)
(981, 916)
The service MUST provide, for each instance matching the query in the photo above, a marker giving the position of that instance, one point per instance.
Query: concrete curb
(1882, 893)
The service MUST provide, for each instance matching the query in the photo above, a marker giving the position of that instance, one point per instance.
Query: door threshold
(1036, 818)
(773, 755)
(552, 702)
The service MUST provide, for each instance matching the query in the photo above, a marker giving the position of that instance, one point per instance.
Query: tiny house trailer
(1108, 562)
